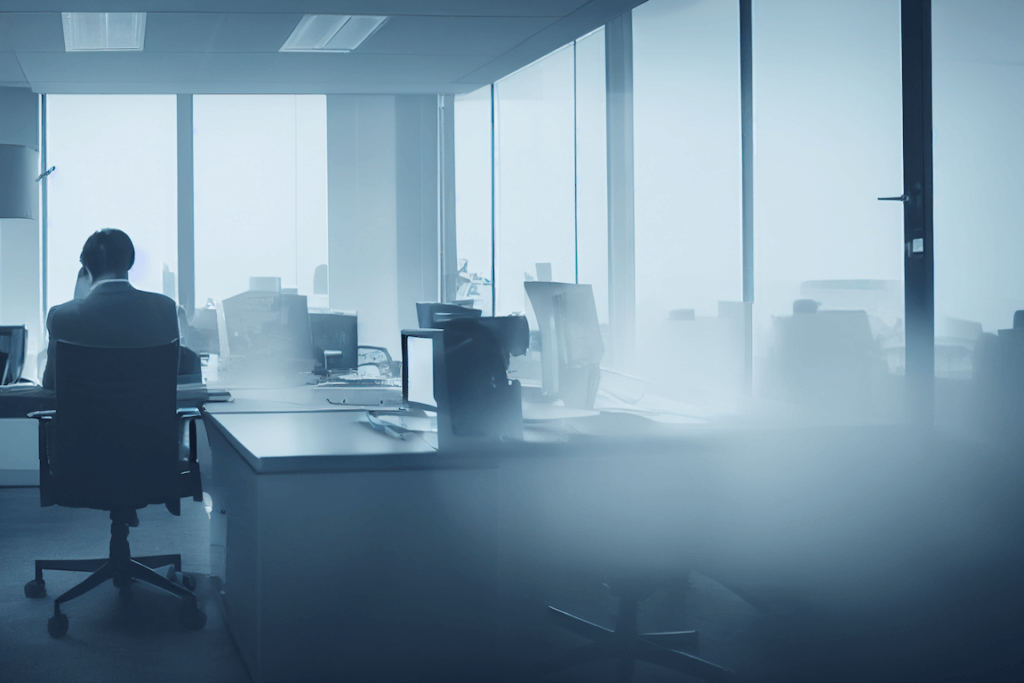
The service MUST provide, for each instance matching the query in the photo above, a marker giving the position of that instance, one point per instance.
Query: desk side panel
(234, 551)
(378, 576)
(19, 452)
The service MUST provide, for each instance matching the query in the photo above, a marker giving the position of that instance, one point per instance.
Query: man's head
(108, 253)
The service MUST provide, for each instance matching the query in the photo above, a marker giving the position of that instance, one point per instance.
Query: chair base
(122, 570)
(627, 646)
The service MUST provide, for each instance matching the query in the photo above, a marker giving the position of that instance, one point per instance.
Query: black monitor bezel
(440, 375)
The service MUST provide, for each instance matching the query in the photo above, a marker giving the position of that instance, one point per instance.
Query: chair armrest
(192, 477)
(42, 414)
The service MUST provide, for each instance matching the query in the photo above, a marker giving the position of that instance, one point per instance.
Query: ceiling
(231, 46)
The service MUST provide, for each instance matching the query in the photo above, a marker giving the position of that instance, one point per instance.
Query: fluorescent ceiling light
(90, 31)
(331, 33)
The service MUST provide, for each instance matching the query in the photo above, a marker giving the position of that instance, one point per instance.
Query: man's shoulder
(63, 312)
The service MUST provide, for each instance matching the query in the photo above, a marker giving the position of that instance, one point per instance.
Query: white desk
(346, 554)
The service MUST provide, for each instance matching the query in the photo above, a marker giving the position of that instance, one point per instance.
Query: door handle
(902, 198)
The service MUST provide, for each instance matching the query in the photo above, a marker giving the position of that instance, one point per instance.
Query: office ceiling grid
(231, 46)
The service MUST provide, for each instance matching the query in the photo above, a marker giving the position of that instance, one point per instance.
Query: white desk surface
(286, 431)
(312, 441)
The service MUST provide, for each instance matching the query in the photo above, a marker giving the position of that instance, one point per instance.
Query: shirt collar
(102, 282)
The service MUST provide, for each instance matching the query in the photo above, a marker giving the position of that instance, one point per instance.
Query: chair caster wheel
(190, 616)
(36, 588)
(57, 626)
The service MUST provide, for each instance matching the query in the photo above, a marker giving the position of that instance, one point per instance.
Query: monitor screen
(267, 324)
(12, 352)
(335, 338)
(421, 350)
(570, 339)
(429, 313)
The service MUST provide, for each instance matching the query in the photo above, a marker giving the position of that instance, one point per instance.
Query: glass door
(828, 314)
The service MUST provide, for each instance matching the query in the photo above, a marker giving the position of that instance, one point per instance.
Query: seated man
(113, 314)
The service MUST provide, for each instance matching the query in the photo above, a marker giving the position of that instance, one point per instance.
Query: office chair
(112, 445)
(626, 645)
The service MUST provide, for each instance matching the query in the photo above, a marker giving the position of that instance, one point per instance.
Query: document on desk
(409, 423)
(656, 408)
(543, 412)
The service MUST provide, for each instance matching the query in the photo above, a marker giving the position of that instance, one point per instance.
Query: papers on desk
(656, 408)
(543, 412)
(409, 423)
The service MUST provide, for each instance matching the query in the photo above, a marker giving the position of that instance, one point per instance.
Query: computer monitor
(429, 313)
(203, 335)
(13, 340)
(267, 324)
(570, 341)
(424, 384)
(336, 334)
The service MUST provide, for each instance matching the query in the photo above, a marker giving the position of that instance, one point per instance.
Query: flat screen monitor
(429, 313)
(267, 324)
(423, 377)
(13, 340)
(570, 340)
(202, 333)
(336, 334)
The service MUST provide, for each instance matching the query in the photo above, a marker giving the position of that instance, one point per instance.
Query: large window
(686, 114)
(260, 192)
(116, 167)
(977, 95)
(535, 180)
(473, 196)
(592, 170)
(550, 177)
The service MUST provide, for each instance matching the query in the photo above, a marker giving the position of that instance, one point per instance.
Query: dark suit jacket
(115, 314)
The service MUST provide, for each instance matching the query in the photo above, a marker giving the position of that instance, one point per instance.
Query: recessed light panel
(331, 32)
(104, 31)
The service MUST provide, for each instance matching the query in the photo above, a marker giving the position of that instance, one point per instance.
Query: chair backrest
(115, 432)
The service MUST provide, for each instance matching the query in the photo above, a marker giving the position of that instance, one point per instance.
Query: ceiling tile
(204, 32)
(452, 35)
(181, 32)
(428, 73)
(31, 32)
(10, 70)
(469, 8)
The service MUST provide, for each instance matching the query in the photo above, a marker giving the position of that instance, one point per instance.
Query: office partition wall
(828, 144)
(686, 114)
(260, 192)
(116, 166)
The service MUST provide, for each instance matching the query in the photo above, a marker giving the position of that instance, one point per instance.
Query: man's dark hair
(108, 251)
